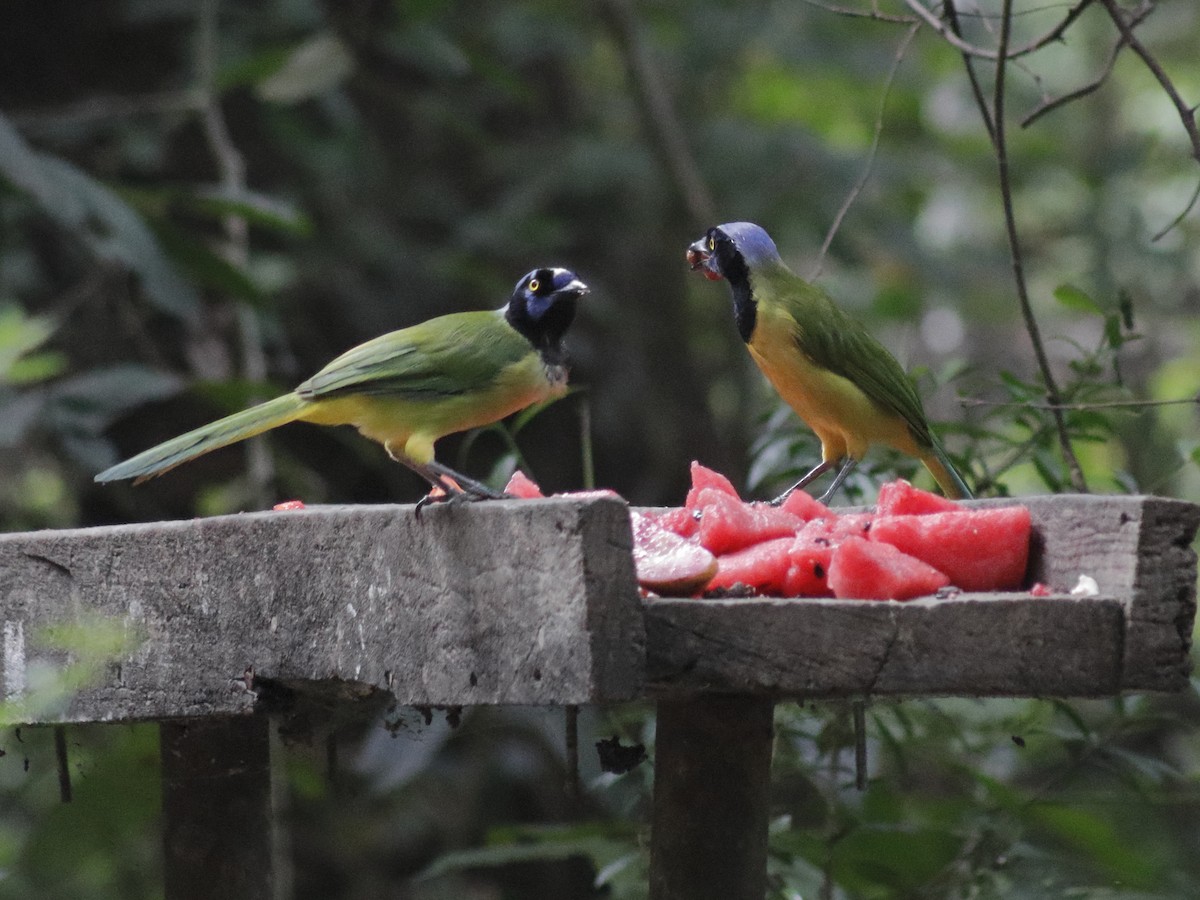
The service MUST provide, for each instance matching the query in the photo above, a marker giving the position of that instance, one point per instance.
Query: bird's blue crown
(752, 242)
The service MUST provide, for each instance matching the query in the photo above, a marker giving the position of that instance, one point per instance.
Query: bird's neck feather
(545, 332)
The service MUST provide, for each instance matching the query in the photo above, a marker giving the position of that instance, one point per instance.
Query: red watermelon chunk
(979, 549)
(899, 498)
(804, 505)
(521, 485)
(727, 524)
(869, 570)
(679, 520)
(666, 563)
(704, 477)
(836, 528)
(808, 571)
(762, 567)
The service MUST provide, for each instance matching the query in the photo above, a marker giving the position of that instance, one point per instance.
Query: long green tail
(221, 433)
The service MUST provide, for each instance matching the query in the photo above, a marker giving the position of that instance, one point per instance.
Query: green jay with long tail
(411, 387)
(825, 365)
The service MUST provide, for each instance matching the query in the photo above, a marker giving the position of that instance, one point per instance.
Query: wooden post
(712, 780)
(218, 836)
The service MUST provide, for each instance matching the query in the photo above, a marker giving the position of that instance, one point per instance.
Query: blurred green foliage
(203, 203)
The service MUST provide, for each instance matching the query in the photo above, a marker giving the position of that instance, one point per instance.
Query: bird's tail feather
(230, 430)
(944, 473)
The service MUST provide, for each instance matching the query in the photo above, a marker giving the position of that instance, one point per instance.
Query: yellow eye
(712, 243)
(534, 285)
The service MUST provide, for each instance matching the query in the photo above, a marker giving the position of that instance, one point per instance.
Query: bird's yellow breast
(410, 424)
(845, 419)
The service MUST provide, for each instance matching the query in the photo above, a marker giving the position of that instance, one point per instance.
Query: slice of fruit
(979, 549)
(728, 524)
(869, 570)
(521, 485)
(666, 563)
(808, 570)
(678, 519)
(704, 477)
(899, 498)
(803, 504)
(762, 567)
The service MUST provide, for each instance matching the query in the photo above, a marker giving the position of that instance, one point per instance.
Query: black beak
(700, 258)
(573, 289)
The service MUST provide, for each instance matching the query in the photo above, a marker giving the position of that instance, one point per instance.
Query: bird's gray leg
(450, 491)
(846, 469)
(477, 489)
(815, 472)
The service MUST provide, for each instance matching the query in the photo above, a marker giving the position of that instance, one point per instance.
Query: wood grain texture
(502, 602)
(1139, 550)
(712, 799)
(974, 645)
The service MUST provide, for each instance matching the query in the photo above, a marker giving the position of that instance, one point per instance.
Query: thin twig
(955, 39)
(659, 113)
(972, 76)
(1179, 218)
(869, 166)
(874, 15)
(1076, 407)
(1187, 115)
(232, 167)
(1049, 105)
(64, 769)
(859, 708)
(1053, 396)
(571, 729)
(101, 108)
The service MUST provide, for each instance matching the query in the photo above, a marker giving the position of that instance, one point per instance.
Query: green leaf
(98, 217)
(218, 202)
(1073, 297)
(315, 67)
(1097, 837)
(19, 334)
(208, 267)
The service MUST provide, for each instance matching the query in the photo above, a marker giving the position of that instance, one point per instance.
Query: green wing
(450, 355)
(835, 341)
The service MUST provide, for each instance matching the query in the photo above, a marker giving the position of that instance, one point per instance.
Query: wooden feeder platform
(234, 620)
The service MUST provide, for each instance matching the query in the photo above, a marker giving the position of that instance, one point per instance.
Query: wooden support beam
(218, 831)
(712, 781)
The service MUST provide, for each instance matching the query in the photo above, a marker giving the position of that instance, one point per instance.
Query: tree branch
(232, 168)
(871, 154)
(1053, 395)
(1077, 407)
(1187, 115)
(972, 76)
(874, 15)
(954, 37)
(659, 113)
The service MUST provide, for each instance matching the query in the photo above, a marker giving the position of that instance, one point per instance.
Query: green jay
(827, 367)
(411, 387)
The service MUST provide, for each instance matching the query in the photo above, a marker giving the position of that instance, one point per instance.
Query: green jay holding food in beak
(411, 387)
(827, 367)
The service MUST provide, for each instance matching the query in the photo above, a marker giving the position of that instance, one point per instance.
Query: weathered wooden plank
(974, 645)
(502, 602)
(1139, 549)
(1136, 635)
(712, 795)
